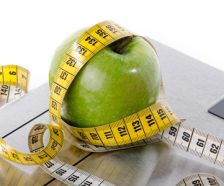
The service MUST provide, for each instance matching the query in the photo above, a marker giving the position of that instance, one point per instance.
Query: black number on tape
(4, 89)
(111, 28)
(54, 105)
(161, 113)
(91, 40)
(71, 62)
(94, 136)
(34, 139)
(27, 158)
(73, 178)
(150, 120)
(54, 118)
(38, 127)
(49, 164)
(14, 155)
(87, 183)
(122, 131)
(13, 73)
(108, 134)
(60, 171)
(186, 136)
(197, 183)
(137, 126)
(55, 131)
(17, 91)
(24, 76)
(43, 156)
(54, 145)
(81, 50)
(101, 33)
(212, 181)
(200, 143)
(57, 90)
(214, 149)
(63, 75)
(82, 135)
(172, 131)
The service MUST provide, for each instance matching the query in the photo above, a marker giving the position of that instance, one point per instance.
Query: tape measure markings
(189, 139)
(39, 157)
(12, 75)
(64, 79)
(130, 126)
(60, 170)
(83, 56)
(58, 79)
(133, 130)
(200, 179)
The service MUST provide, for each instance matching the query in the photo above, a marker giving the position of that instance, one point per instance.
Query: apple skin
(110, 86)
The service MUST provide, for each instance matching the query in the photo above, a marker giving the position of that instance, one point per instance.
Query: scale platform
(191, 88)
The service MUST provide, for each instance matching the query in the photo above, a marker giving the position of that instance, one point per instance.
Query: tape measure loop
(148, 125)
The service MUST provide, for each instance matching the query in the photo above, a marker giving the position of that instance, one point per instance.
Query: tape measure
(138, 126)
(155, 121)
(13, 83)
(201, 179)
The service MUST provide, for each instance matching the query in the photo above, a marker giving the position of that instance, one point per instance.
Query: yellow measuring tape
(127, 132)
(12, 75)
(135, 127)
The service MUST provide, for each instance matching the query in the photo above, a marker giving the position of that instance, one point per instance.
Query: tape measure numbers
(140, 125)
(134, 130)
(200, 180)
(13, 83)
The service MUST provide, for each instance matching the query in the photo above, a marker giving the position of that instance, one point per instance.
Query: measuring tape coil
(139, 128)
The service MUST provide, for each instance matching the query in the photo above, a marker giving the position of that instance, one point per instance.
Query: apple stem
(119, 46)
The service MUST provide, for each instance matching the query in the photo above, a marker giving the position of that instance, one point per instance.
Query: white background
(30, 30)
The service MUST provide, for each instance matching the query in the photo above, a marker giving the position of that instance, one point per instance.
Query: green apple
(119, 80)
